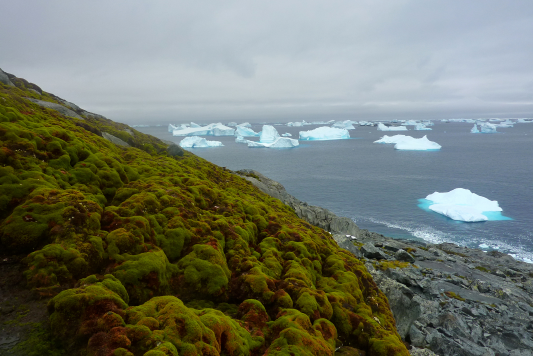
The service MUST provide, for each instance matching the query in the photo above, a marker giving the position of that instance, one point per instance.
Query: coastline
(449, 299)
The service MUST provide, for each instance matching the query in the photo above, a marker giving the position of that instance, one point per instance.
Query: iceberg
(462, 205)
(268, 134)
(488, 128)
(280, 142)
(382, 127)
(475, 129)
(287, 134)
(410, 123)
(232, 124)
(421, 127)
(217, 129)
(524, 121)
(197, 142)
(240, 139)
(324, 133)
(245, 132)
(195, 125)
(245, 124)
(347, 124)
(409, 143)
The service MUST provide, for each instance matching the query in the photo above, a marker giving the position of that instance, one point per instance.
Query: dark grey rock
(370, 251)
(402, 255)
(4, 79)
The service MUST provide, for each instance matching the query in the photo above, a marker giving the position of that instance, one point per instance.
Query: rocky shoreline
(447, 300)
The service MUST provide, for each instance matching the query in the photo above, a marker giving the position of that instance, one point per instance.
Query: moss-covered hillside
(140, 252)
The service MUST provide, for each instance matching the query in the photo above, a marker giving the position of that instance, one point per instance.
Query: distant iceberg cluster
(463, 205)
(198, 142)
(217, 129)
(403, 142)
(269, 138)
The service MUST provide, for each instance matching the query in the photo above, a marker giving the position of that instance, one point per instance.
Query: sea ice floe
(280, 142)
(403, 142)
(245, 131)
(382, 127)
(324, 133)
(216, 129)
(462, 205)
(198, 142)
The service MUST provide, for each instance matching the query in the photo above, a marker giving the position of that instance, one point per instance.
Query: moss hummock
(167, 254)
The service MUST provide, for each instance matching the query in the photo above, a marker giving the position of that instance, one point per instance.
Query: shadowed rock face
(143, 251)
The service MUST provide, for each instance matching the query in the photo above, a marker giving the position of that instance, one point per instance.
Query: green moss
(483, 269)
(454, 295)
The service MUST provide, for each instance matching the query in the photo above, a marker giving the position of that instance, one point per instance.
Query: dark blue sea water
(380, 187)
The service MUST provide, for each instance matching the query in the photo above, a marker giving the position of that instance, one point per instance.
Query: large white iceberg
(460, 204)
(268, 134)
(324, 133)
(382, 127)
(280, 142)
(245, 132)
(403, 142)
(474, 129)
(197, 142)
(421, 127)
(217, 129)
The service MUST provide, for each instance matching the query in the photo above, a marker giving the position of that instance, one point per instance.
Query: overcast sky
(179, 61)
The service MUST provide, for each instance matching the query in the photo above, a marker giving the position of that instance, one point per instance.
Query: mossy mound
(168, 253)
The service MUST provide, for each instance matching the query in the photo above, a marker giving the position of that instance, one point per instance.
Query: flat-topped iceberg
(403, 142)
(197, 142)
(245, 131)
(382, 127)
(324, 133)
(268, 134)
(280, 142)
(217, 129)
(462, 205)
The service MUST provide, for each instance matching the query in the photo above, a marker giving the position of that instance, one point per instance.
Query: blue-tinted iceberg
(324, 133)
(474, 129)
(268, 134)
(382, 127)
(462, 205)
(280, 142)
(403, 142)
(197, 142)
(245, 124)
(245, 132)
(217, 129)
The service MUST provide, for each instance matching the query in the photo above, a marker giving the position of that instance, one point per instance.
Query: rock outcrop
(447, 300)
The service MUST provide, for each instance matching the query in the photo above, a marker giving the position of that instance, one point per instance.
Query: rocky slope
(448, 299)
(134, 247)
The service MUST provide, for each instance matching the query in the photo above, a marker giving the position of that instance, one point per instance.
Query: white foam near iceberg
(403, 142)
(324, 133)
(280, 142)
(382, 127)
(463, 205)
(198, 142)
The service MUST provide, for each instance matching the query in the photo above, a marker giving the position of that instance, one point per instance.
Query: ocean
(380, 188)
